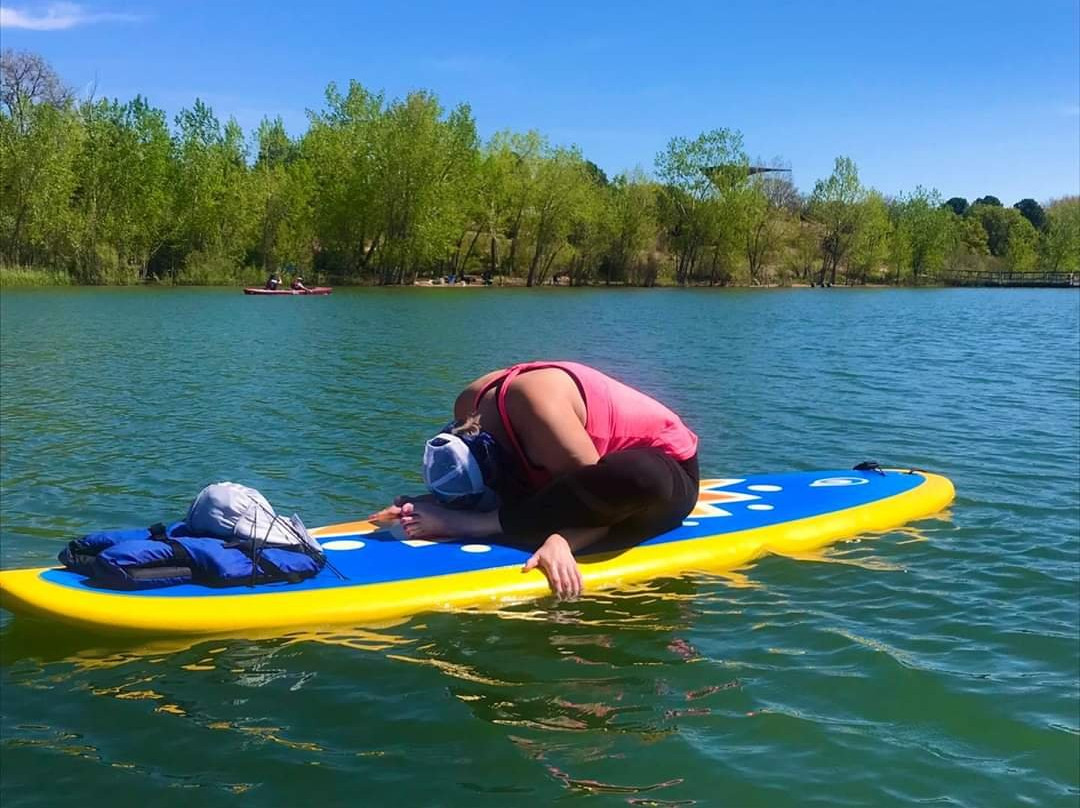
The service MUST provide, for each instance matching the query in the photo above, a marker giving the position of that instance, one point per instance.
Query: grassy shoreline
(18, 277)
(27, 278)
(22, 278)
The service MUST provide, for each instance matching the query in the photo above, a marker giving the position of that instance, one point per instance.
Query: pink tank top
(617, 416)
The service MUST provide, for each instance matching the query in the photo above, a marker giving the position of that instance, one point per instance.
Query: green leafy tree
(870, 250)
(1061, 246)
(1004, 226)
(958, 205)
(803, 254)
(491, 200)
(562, 185)
(215, 215)
(474, 219)
(1033, 212)
(995, 221)
(967, 247)
(423, 163)
(926, 225)
(38, 150)
(125, 195)
(900, 248)
(696, 175)
(589, 229)
(282, 191)
(517, 159)
(768, 213)
(631, 223)
(761, 225)
(384, 190)
(836, 206)
(1022, 255)
(340, 149)
(596, 174)
(972, 236)
(40, 138)
(745, 227)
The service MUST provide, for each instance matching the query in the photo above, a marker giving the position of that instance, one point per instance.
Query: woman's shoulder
(535, 386)
(541, 389)
(466, 401)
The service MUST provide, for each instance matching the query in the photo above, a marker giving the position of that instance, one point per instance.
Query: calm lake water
(936, 664)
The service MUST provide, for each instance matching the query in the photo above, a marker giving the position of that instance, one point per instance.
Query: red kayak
(314, 290)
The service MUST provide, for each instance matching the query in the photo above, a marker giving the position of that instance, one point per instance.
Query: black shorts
(636, 493)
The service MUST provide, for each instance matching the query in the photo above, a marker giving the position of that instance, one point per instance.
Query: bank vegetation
(390, 190)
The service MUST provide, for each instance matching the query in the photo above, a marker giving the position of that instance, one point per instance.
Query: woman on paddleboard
(556, 454)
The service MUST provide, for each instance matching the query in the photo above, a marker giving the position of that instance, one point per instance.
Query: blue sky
(969, 97)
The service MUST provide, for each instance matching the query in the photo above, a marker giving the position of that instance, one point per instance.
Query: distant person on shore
(298, 284)
(560, 456)
(274, 281)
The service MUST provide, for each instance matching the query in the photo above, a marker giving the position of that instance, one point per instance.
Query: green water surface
(936, 664)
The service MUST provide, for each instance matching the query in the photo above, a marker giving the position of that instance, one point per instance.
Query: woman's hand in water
(557, 562)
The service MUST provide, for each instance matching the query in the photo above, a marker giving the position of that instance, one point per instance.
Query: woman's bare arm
(548, 416)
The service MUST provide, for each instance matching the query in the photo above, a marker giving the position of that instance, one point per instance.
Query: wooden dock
(988, 277)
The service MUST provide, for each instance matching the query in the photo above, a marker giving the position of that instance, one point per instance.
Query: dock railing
(990, 277)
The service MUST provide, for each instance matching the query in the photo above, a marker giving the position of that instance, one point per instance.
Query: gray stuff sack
(232, 511)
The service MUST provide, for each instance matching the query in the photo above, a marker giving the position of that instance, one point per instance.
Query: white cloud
(57, 17)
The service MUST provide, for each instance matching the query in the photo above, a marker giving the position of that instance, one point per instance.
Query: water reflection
(573, 696)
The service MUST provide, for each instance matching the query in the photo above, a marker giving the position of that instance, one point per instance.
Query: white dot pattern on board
(690, 523)
(343, 544)
(475, 548)
(417, 542)
(837, 482)
(759, 507)
(764, 488)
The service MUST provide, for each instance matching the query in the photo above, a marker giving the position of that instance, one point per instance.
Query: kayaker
(298, 284)
(274, 281)
(559, 455)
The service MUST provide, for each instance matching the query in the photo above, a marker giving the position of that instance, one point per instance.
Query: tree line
(387, 191)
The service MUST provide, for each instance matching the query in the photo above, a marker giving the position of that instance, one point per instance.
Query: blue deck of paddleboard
(733, 505)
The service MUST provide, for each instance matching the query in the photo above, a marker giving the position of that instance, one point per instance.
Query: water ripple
(935, 664)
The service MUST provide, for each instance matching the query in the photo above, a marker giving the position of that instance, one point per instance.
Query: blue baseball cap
(461, 470)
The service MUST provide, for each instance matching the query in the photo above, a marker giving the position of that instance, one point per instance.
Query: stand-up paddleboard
(735, 521)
